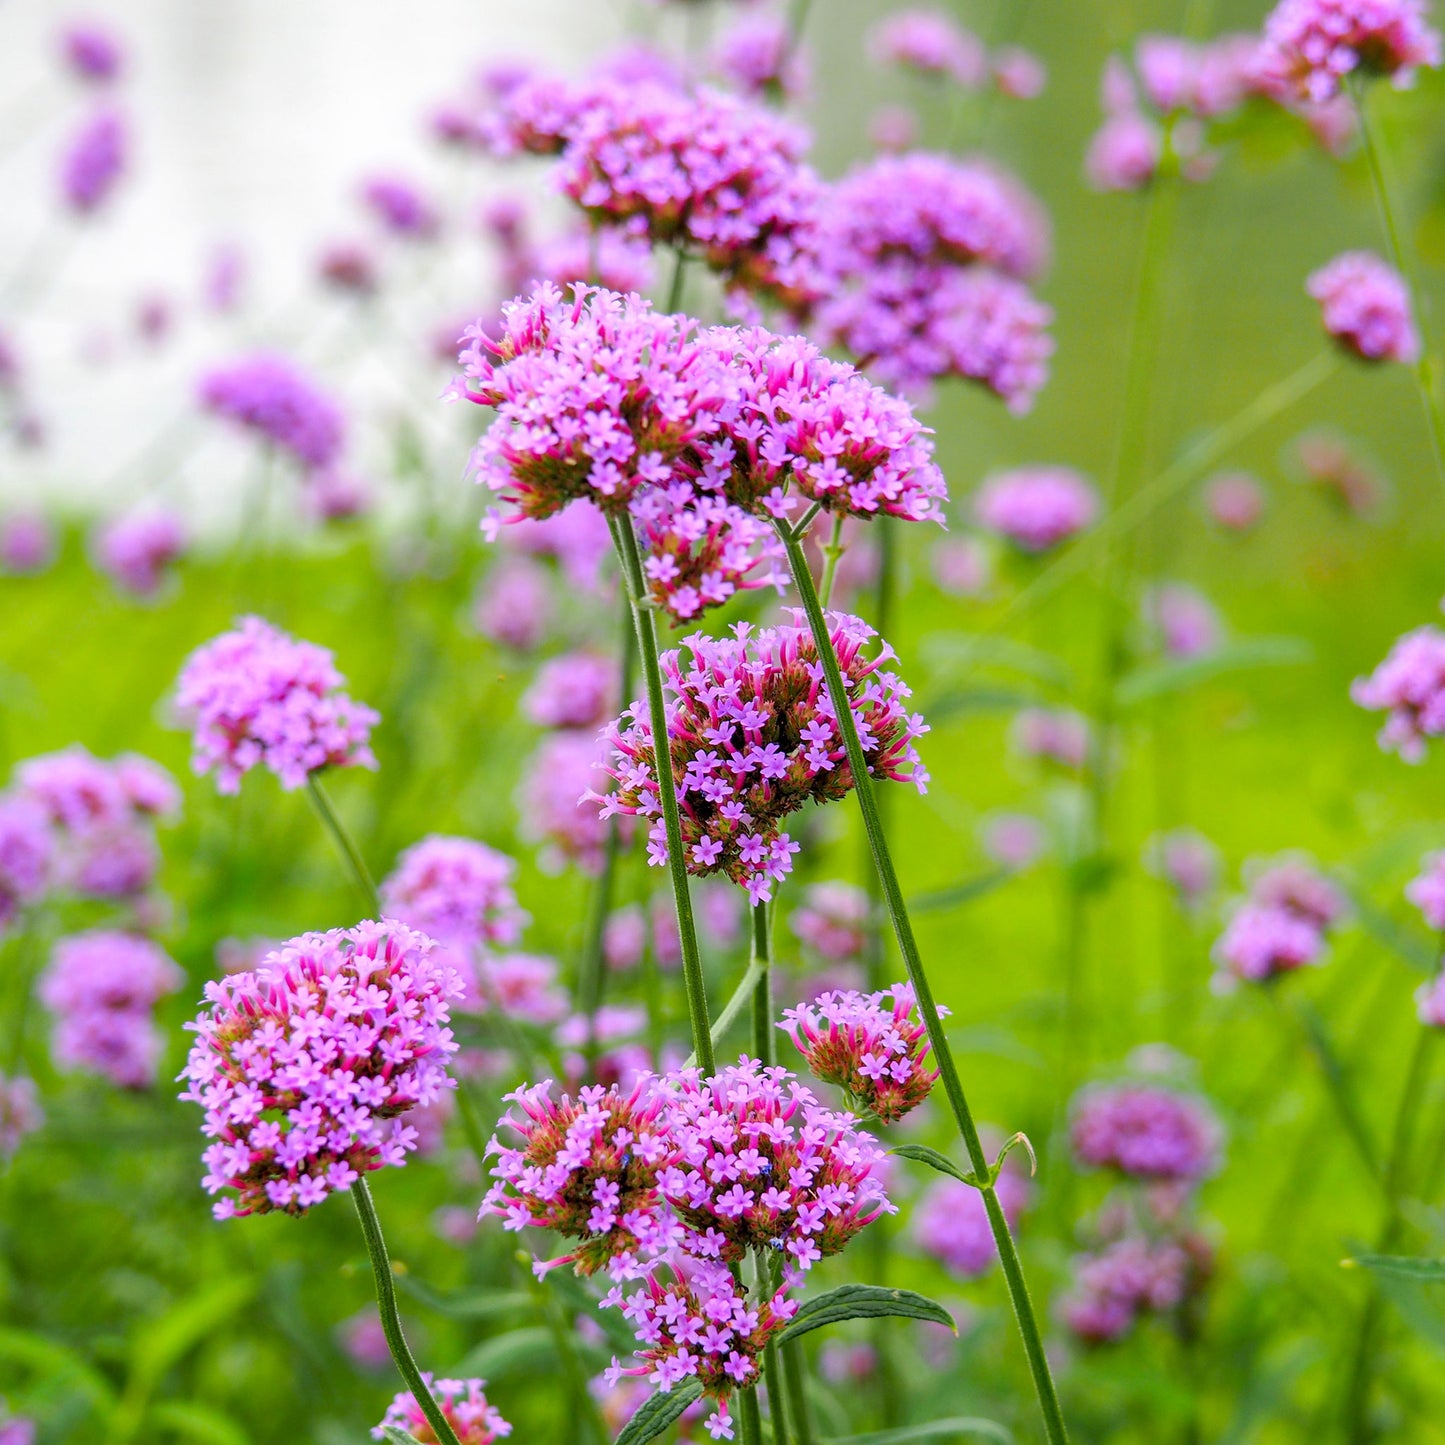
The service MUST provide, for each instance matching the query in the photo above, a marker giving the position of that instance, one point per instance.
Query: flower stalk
(1024, 1314)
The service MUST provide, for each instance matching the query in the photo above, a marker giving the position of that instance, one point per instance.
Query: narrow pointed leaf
(969, 1426)
(1162, 678)
(1018, 1141)
(659, 1411)
(394, 1435)
(922, 1154)
(1402, 1266)
(863, 1302)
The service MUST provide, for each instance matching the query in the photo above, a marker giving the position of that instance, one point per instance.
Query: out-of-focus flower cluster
(1284, 924)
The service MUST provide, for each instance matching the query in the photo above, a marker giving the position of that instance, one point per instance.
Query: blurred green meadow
(128, 1315)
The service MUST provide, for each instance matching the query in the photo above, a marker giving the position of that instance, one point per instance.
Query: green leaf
(1162, 678)
(57, 1364)
(161, 1343)
(477, 1305)
(658, 1411)
(863, 1302)
(1018, 1141)
(1401, 1266)
(922, 1154)
(505, 1355)
(975, 650)
(969, 1425)
(192, 1421)
(960, 893)
(395, 1435)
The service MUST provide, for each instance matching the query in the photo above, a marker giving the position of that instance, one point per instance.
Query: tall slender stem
(391, 1318)
(1018, 1290)
(832, 555)
(750, 1417)
(1403, 260)
(580, 1400)
(679, 279)
(592, 967)
(760, 960)
(642, 620)
(345, 843)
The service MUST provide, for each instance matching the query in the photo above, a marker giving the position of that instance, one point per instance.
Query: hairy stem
(391, 1318)
(345, 843)
(1403, 261)
(928, 1010)
(625, 541)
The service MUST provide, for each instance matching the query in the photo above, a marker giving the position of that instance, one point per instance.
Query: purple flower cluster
(401, 208)
(136, 550)
(833, 921)
(457, 891)
(1235, 500)
(257, 696)
(513, 605)
(1283, 925)
(753, 736)
(930, 43)
(1127, 1278)
(269, 395)
(1310, 47)
(871, 1046)
(1052, 735)
(305, 1066)
(74, 823)
(921, 262)
(758, 56)
(1145, 1131)
(94, 160)
(575, 690)
(1188, 862)
(92, 52)
(951, 1224)
(1182, 619)
(1036, 508)
(555, 781)
(463, 1405)
(1409, 685)
(1427, 890)
(102, 988)
(27, 541)
(1366, 307)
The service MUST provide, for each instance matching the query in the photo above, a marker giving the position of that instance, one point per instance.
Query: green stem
(777, 1400)
(1403, 261)
(580, 1399)
(391, 1319)
(795, 1368)
(750, 1417)
(760, 961)
(742, 996)
(928, 1010)
(625, 540)
(679, 279)
(345, 843)
(1337, 1082)
(592, 968)
(832, 553)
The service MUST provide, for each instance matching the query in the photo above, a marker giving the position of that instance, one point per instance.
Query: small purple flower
(1145, 1131)
(1183, 619)
(931, 43)
(257, 696)
(20, 1114)
(1018, 72)
(1430, 1002)
(457, 891)
(136, 551)
(1235, 500)
(305, 1066)
(92, 52)
(1366, 307)
(950, 1222)
(102, 988)
(1263, 940)
(1013, 840)
(1292, 882)
(755, 736)
(1188, 862)
(1054, 736)
(1036, 508)
(513, 606)
(271, 396)
(27, 852)
(349, 267)
(1129, 1277)
(1409, 685)
(223, 284)
(575, 690)
(1124, 153)
(1427, 890)
(556, 782)
(832, 921)
(758, 55)
(462, 1403)
(961, 566)
(1310, 47)
(94, 160)
(401, 208)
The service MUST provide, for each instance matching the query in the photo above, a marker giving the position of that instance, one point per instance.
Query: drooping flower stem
(928, 1010)
(1403, 261)
(592, 968)
(345, 843)
(391, 1318)
(1357, 1394)
(625, 541)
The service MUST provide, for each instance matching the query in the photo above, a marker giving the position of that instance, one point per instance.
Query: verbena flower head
(1296, 885)
(833, 921)
(1430, 1002)
(27, 851)
(401, 208)
(1183, 619)
(305, 1066)
(587, 1169)
(1311, 46)
(463, 1405)
(931, 43)
(576, 538)
(1052, 735)
(700, 1325)
(758, 56)
(754, 736)
(92, 52)
(455, 890)
(1366, 307)
(136, 551)
(1124, 153)
(1036, 508)
(1235, 500)
(950, 1222)
(513, 606)
(1337, 468)
(94, 161)
(1013, 840)
(271, 396)
(872, 1046)
(554, 799)
(1427, 890)
(575, 690)
(757, 1163)
(714, 174)
(102, 987)
(20, 1112)
(1187, 861)
(1130, 1276)
(349, 267)
(1145, 1131)
(28, 543)
(1409, 685)
(522, 985)
(258, 696)
(1262, 941)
